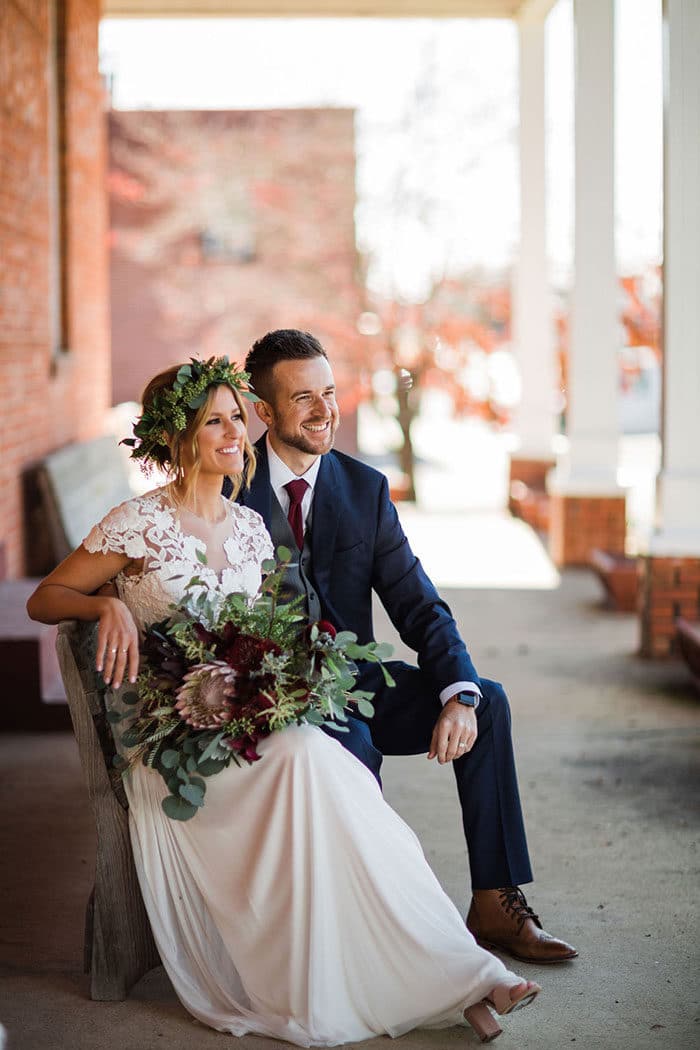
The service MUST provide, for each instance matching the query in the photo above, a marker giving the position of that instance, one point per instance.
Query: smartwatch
(468, 699)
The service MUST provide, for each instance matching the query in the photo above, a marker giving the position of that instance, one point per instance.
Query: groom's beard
(311, 446)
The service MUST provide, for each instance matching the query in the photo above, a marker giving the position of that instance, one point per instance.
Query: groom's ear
(263, 412)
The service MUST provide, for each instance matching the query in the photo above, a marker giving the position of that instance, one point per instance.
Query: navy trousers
(487, 783)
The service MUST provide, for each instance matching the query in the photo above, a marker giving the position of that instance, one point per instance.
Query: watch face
(468, 699)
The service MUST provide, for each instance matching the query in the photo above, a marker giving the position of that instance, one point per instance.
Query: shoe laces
(513, 901)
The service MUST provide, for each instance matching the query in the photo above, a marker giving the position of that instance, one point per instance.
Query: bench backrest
(78, 485)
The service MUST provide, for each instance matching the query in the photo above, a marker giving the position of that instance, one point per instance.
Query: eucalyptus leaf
(365, 708)
(211, 749)
(178, 808)
(130, 698)
(283, 553)
(191, 764)
(130, 737)
(336, 728)
(169, 759)
(383, 651)
(192, 794)
(210, 766)
(114, 716)
(201, 557)
(387, 677)
(344, 637)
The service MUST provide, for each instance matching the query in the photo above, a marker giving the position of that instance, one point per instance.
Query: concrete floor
(607, 750)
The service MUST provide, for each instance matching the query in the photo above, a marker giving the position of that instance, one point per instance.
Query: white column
(532, 309)
(590, 467)
(679, 479)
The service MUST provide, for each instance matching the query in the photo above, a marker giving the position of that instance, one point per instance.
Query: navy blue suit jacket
(357, 546)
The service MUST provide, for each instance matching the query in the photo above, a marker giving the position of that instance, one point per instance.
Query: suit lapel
(326, 514)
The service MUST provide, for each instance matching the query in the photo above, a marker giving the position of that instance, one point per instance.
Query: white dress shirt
(280, 475)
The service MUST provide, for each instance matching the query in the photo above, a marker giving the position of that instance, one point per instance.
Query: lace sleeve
(262, 541)
(121, 531)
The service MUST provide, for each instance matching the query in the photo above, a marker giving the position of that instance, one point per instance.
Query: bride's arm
(66, 594)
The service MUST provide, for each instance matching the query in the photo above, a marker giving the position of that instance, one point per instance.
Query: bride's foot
(503, 999)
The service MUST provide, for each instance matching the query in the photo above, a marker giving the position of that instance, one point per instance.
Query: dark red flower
(243, 746)
(230, 632)
(246, 653)
(261, 702)
(325, 627)
(205, 636)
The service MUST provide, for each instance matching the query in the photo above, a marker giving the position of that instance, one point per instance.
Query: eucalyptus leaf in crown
(216, 678)
(171, 409)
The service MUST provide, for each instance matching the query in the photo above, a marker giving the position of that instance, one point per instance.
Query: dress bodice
(147, 530)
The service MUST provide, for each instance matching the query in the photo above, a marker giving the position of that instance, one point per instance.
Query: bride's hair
(178, 455)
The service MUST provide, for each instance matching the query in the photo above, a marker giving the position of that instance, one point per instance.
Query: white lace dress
(296, 904)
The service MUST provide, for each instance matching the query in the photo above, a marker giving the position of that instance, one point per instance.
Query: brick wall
(668, 588)
(224, 225)
(49, 399)
(580, 523)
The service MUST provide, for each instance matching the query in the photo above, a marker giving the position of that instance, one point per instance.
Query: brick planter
(669, 588)
(578, 524)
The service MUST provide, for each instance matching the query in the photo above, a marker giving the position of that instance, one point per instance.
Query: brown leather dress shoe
(502, 919)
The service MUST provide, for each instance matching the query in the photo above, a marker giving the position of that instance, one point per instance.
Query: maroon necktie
(296, 490)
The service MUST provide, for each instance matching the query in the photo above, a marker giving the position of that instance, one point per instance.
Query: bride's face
(221, 437)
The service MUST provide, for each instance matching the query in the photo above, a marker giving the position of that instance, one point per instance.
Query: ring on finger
(461, 745)
(125, 650)
(113, 650)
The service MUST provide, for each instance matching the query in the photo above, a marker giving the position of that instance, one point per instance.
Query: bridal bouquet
(217, 677)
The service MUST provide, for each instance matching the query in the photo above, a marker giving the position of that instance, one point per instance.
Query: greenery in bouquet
(220, 675)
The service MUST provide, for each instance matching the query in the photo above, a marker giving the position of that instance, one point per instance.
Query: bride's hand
(117, 643)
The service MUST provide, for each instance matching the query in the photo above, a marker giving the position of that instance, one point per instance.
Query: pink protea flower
(204, 698)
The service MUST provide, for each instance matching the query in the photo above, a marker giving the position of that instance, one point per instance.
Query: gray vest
(296, 578)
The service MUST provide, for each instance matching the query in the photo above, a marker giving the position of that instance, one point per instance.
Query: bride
(296, 904)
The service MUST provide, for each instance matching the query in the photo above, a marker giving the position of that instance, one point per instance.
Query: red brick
(41, 410)
(578, 524)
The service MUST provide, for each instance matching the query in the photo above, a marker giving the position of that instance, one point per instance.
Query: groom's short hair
(284, 344)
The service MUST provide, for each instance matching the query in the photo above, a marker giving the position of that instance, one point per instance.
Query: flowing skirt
(298, 905)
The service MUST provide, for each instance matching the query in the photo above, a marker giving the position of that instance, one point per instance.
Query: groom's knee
(495, 702)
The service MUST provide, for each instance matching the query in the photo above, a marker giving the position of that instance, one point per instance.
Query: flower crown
(167, 412)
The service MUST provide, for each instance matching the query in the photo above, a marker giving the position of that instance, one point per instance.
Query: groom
(337, 512)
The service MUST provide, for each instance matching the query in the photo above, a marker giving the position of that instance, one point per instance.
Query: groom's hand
(454, 733)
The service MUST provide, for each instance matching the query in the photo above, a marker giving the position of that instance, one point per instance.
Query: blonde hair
(178, 454)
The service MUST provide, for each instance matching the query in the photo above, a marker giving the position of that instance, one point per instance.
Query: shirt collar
(280, 473)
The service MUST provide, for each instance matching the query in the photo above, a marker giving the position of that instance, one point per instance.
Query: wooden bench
(618, 574)
(689, 645)
(77, 486)
(119, 945)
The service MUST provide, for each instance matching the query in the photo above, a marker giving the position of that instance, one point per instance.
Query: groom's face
(302, 413)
